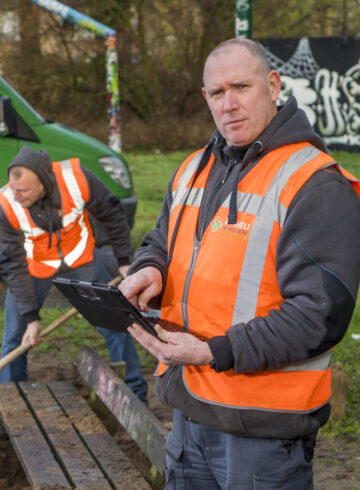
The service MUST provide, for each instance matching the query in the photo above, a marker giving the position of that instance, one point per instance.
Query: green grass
(151, 174)
(350, 161)
(346, 353)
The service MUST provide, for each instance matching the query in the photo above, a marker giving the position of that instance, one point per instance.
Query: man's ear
(274, 82)
(204, 92)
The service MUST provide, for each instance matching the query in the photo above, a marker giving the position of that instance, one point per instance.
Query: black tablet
(102, 305)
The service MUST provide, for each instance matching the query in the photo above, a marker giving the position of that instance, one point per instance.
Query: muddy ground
(336, 462)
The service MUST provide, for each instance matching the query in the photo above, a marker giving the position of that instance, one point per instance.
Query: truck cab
(21, 125)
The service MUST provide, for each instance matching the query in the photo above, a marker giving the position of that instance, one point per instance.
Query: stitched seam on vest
(323, 268)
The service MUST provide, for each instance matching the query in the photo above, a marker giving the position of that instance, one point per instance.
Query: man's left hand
(177, 348)
(31, 334)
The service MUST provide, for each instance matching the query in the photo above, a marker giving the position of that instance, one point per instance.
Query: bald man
(256, 249)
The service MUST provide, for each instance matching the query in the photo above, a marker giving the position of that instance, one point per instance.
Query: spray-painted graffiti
(329, 97)
(112, 86)
(132, 414)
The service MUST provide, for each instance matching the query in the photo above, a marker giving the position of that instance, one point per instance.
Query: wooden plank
(142, 425)
(113, 461)
(37, 460)
(80, 466)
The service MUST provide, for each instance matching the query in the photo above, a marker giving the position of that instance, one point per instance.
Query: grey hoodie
(318, 271)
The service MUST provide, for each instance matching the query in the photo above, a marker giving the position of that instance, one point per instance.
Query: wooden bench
(60, 442)
(142, 425)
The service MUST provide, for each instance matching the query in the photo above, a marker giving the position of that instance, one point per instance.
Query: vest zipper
(57, 233)
(187, 283)
(197, 243)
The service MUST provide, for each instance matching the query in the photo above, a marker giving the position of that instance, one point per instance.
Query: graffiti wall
(324, 76)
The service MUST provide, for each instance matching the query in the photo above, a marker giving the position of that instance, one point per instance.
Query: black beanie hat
(37, 161)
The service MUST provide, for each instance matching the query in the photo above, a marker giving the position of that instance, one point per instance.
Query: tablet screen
(102, 305)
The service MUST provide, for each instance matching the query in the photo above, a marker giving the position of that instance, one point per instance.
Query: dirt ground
(336, 462)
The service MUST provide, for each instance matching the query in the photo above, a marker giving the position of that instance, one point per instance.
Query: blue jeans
(198, 457)
(121, 346)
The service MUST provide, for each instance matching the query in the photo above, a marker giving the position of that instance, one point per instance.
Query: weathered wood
(34, 454)
(142, 425)
(75, 460)
(113, 461)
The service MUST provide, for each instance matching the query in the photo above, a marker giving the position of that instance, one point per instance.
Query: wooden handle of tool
(45, 331)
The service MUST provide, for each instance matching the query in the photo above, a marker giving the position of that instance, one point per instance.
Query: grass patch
(350, 161)
(151, 174)
(347, 354)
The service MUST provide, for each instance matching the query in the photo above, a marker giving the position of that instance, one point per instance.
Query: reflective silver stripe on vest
(258, 243)
(75, 193)
(24, 222)
(318, 363)
(181, 191)
(70, 258)
(19, 211)
(52, 263)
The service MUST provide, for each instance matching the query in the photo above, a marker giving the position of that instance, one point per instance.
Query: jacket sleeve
(14, 270)
(318, 271)
(108, 210)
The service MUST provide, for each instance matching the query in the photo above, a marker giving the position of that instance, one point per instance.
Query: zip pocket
(163, 384)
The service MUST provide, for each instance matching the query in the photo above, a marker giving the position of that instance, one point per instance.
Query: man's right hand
(141, 287)
(31, 333)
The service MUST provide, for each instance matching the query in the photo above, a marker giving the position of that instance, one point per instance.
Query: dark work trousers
(198, 458)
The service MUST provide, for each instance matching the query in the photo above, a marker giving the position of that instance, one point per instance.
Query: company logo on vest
(240, 227)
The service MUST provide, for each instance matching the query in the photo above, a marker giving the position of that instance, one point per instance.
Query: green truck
(21, 125)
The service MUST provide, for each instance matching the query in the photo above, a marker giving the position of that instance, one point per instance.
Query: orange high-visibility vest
(74, 243)
(230, 277)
